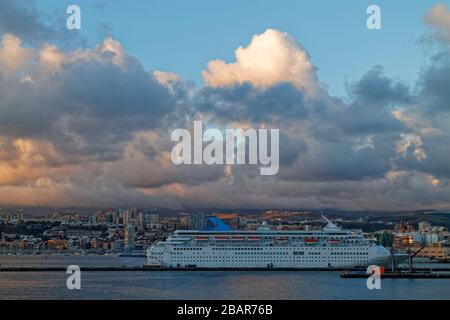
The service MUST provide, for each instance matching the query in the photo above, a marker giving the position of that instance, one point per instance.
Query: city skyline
(86, 115)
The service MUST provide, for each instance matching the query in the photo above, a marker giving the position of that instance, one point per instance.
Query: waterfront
(200, 284)
(66, 260)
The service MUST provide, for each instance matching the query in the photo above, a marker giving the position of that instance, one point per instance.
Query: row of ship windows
(259, 253)
(253, 248)
(242, 253)
(282, 234)
(352, 237)
(350, 253)
(295, 253)
(270, 261)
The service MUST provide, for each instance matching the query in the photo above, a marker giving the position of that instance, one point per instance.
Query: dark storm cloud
(22, 19)
(369, 112)
(290, 149)
(435, 84)
(437, 161)
(108, 91)
(339, 141)
(431, 110)
(244, 102)
(89, 108)
(338, 161)
(358, 119)
(374, 88)
(153, 175)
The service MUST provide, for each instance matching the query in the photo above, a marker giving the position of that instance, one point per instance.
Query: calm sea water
(198, 284)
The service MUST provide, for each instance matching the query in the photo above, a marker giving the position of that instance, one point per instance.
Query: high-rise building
(118, 216)
(403, 226)
(151, 217)
(403, 240)
(126, 216)
(92, 218)
(424, 226)
(197, 221)
(130, 237)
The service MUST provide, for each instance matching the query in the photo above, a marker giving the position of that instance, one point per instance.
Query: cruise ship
(331, 247)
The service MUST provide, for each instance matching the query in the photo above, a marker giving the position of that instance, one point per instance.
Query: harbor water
(218, 285)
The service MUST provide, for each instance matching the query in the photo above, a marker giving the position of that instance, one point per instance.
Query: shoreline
(146, 268)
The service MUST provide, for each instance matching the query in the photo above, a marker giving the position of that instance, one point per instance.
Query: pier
(346, 273)
(400, 275)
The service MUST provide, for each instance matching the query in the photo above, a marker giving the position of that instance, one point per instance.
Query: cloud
(166, 77)
(85, 102)
(23, 20)
(244, 102)
(376, 88)
(12, 55)
(411, 143)
(271, 57)
(90, 126)
(438, 17)
(428, 119)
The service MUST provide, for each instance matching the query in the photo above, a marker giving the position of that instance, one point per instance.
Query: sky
(86, 115)
(182, 36)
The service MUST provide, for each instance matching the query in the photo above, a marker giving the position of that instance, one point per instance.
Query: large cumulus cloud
(270, 58)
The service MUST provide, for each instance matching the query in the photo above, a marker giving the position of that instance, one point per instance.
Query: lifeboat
(334, 241)
(254, 238)
(221, 238)
(311, 240)
(237, 238)
(202, 238)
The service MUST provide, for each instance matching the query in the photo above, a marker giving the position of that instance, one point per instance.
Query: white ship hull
(287, 257)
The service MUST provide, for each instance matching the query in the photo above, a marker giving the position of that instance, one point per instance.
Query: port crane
(411, 255)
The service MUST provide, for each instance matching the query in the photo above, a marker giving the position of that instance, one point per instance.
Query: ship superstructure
(331, 247)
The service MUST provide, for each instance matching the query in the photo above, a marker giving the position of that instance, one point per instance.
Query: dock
(398, 275)
(151, 268)
(346, 273)
(58, 269)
